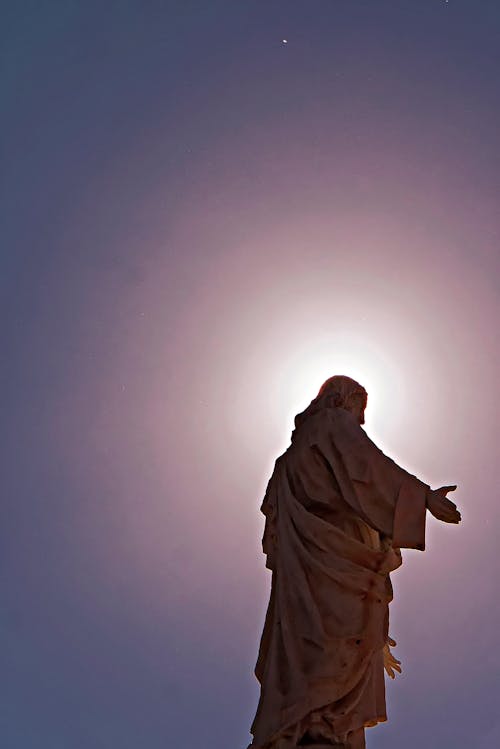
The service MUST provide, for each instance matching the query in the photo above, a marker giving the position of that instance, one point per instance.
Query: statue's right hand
(441, 507)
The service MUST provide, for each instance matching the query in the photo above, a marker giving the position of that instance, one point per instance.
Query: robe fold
(337, 513)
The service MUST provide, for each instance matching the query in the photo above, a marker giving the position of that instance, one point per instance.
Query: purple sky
(201, 223)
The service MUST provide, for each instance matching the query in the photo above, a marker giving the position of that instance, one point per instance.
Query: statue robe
(337, 512)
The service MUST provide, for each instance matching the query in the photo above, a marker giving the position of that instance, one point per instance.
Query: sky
(201, 222)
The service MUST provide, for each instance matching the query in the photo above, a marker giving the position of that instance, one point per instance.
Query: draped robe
(337, 513)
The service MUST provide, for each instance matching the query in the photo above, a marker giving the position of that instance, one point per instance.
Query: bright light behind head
(276, 336)
(300, 374)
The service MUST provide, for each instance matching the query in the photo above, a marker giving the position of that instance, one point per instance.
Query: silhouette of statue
(337, 511)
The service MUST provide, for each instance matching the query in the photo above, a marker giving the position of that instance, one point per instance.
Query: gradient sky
(200, 223)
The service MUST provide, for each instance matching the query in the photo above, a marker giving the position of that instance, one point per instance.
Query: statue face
(357, 407)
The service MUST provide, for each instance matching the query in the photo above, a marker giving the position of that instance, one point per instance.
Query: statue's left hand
(441, 507)
(391, 664)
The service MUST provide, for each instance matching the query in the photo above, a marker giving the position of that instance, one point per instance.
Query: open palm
(441, 507)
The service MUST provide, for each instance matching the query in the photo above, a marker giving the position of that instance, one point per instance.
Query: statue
(337, 512)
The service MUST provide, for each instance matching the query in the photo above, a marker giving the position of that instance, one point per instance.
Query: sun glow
(300, 374)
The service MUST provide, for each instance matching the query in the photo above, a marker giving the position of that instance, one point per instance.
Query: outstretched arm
(388, 498)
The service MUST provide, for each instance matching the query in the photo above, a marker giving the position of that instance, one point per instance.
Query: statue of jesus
(337, 512)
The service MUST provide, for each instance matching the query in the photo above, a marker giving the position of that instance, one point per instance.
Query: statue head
(345, 393)
(340, 392)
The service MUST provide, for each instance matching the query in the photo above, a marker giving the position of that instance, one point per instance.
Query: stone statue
(337, 512)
